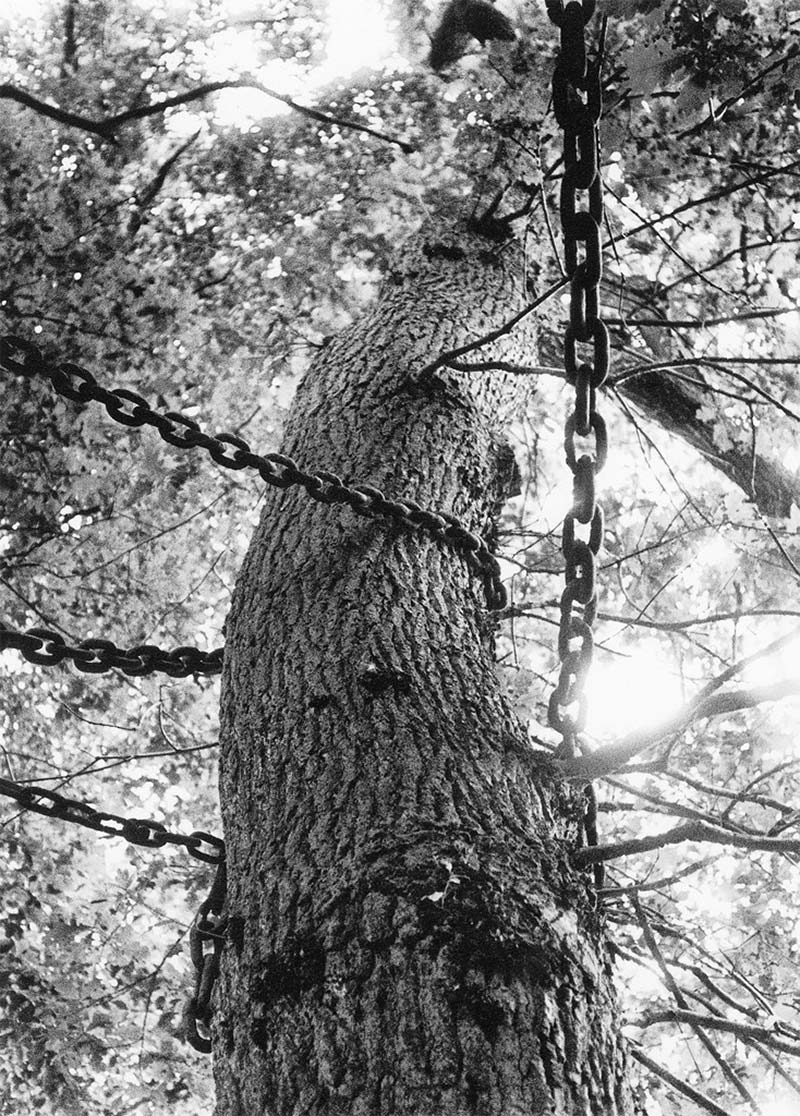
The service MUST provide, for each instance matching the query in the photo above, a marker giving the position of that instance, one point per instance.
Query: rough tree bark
(407, 934)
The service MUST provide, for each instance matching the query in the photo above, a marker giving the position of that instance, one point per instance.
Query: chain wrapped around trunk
(21, 357)
(577, 104)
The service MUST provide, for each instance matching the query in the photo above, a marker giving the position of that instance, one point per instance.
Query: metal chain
(577, 103)
(21, 357)
(207, 935)
(94, 656)
(138, 831)
(206, 941)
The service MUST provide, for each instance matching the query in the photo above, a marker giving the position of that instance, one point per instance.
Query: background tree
(203, 258)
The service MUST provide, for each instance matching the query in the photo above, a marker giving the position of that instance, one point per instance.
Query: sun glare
(630, 693)
(358, 37)
(779, 1108)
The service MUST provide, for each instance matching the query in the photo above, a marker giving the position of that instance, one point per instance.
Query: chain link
(206, 940)
(138, 831)
(94, 656)
(207, 934)
(577, 104)
(21, 357)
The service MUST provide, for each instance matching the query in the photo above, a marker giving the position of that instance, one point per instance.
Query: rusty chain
(21, 357)
(138, 831)
(94, 656)
(577, 104)
(206, 941)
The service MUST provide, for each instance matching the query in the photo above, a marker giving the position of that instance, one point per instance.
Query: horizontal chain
(138, 831)
(21, 357)
(95, 656)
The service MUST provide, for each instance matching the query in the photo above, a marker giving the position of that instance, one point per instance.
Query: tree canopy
(194, 199)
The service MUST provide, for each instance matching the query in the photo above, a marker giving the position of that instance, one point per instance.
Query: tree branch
(609, 759)
(107, 128)
(682, 625)
(506, 366)
(776, 1065)
(680, 1086)
(717, 1022)
(676, 809)
(715, 195)
(750, 86)
(677, 408)
(699, 323)
(148, 195)
(691, 831)
(736, 796)
(680, 999)
(493, 335)
(662, 882)
(718, 364)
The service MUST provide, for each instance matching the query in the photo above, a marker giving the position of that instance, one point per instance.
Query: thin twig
(493, 335)
(678, 1084)
(699, 323)
(663, 882)
(680, 999)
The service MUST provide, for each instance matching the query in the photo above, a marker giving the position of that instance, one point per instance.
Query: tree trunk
(407, 935)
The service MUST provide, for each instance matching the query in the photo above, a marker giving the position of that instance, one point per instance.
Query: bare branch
(736, 796)
(107, 128)
(694, 622)
(148, 195)
(678, 1084)
(72, 119)
(776, 1065)
(706, 703)
(676, 809)
(244, 83)
(699, 323)
(715, 195)
(717, 363)
(507, 366)
(493, 335)
(680, 1000)
(662, 882)
(749, 87)
(717, 1022)
(691, 831)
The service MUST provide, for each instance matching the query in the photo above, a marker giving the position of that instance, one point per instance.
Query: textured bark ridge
(407, 937)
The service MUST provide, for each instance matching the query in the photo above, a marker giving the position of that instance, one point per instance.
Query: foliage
(201, 260)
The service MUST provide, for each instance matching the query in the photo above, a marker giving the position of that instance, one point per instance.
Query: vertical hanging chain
(577, 104)
(206, 941)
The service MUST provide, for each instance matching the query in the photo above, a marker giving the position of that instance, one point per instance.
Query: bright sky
(358, 37)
